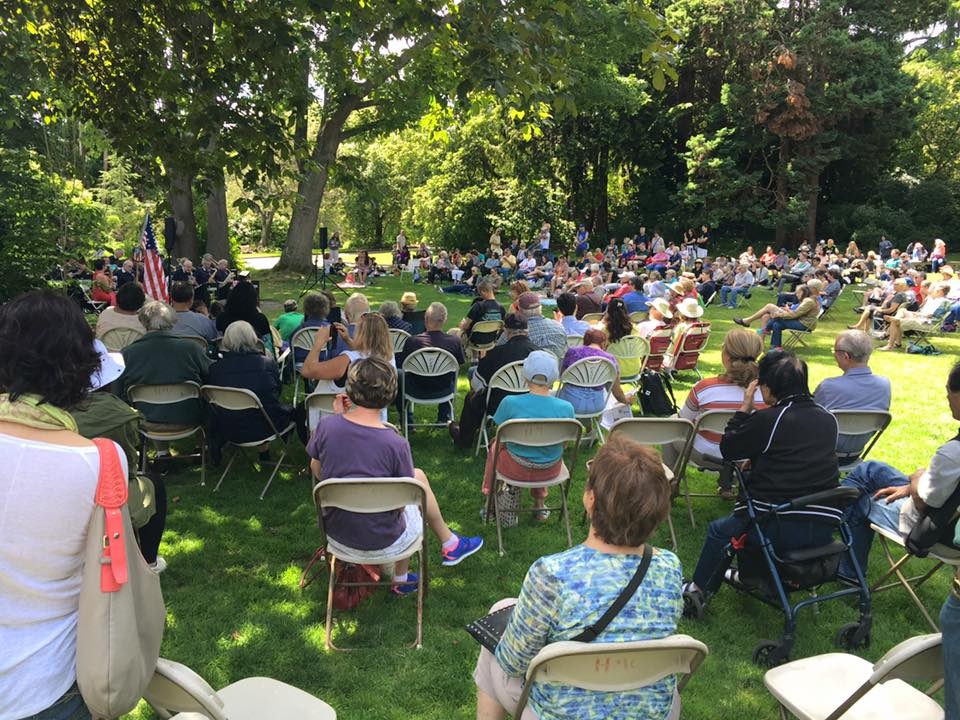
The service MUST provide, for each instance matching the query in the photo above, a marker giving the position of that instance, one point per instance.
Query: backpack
(656, 395)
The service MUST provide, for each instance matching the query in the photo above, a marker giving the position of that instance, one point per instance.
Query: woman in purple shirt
(591, 400)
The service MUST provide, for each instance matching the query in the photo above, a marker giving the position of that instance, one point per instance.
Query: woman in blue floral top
(626, 497)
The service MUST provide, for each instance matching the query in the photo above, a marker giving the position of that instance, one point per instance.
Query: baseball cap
(111, 367)
(541, 368)
(515, 322)
(528, 301)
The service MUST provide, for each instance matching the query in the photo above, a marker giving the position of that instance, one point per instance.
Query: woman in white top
(48, 476)
(372, 339)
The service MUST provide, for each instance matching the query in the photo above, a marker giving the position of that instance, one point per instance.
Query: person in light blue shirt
(636, 300)
(567, 315)
(857, 389)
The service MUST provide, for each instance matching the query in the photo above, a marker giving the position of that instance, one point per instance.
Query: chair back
(867, 425)
(916, 659)
(167, 394)
(116, 339)
(175, 688)
(303, 338)
(415, 318)
(692, 342)
(659, 431)
(399, 338)
(509, 378)
(485, 327)
(201, 342)
(369, 495)
(430, 362)
(714, 421)
(659, 342)
(637, 317)
(318, 404)
(236, 399)
(590, 373)
(592, 318)
(574, 341)
(542, 432)
(614, 667)
(630, 348)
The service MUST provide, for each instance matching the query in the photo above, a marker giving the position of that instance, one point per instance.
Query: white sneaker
(159, 565)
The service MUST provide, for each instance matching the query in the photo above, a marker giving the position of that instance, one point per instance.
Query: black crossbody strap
(592, 632)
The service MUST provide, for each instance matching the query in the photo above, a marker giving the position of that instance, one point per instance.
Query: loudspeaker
(169, 233)
(323, 238)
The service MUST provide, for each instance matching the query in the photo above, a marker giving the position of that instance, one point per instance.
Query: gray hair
(855, 343)
(315, 306)
(239, 337)
(390, 309)
(155, 315)
(355, 306)
(485, 285)
(436, 314)
(530, 312)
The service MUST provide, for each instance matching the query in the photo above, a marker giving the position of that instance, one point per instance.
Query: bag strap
(666, 381)
(111, 495)
(592, 632)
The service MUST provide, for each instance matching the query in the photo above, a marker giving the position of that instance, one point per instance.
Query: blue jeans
(729, 294)
(953, 317)
(869, 477)
(776, 327)
(69, 706)
(785, 535)
(950, 627)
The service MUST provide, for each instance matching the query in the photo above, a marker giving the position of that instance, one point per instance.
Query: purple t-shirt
(348, 450)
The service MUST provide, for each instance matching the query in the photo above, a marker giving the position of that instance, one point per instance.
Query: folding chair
(413, 263)
(921, 335)
(659, 341)
(591, 373)
(89, 304)
(510, 380)
(840, 685)
(637, 317)
(942, 554)
(574, 341)
(318, 404)
(483, 327)
(116, 339)
(302, 339)
(175, 688)
(372, 495)
(399, 338)
(678, 432)
(614, 667)
(686, 351)
(169, 394)
(714, 421)
(859, 425)
(630, 350)
(795, 337)
(427, 363)
(237, 400)
(201, 342)
(535, 433)
(592, 318)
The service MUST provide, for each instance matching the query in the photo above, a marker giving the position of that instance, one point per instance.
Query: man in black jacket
(791, 448)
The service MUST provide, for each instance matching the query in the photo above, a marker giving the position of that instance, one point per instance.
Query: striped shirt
(713, 394)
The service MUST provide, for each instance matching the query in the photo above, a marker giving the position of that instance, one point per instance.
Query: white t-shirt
(330, 386)
(46, 498)
(110, 319)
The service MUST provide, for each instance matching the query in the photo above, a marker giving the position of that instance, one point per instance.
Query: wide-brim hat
(690, 308)
(662, 307)
(111, 367)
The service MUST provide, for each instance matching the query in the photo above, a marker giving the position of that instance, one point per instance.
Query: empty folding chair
(372, 495)
(239, 400)
(175, 688)
(840, 685)
(614, 667)
(535, 433)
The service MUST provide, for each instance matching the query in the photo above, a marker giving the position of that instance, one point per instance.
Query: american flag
(154, 278)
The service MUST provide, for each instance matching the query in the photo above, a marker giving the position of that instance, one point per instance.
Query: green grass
(235, 610)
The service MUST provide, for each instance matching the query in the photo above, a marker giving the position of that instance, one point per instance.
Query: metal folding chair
(864, 425)
(631, 350)
(303, 340)
(318, 404)
(399, 338)
(168, 394)
(116, 339)
(510, 380)
(660, 341)
(592, 318)
(712, 421)
(483, 327)
(427, 363)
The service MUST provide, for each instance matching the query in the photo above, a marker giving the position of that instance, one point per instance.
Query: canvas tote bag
(121, 607)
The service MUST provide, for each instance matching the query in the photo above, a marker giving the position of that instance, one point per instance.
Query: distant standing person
(496, 242)
(334, 245)
(401, 239)
(583, 240)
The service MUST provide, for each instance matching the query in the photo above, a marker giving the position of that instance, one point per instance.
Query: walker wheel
(852, 636)
(769, 653)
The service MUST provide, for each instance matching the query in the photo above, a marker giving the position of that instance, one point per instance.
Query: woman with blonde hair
(739, 354)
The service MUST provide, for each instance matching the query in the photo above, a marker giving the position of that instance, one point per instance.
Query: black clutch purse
(489, 629)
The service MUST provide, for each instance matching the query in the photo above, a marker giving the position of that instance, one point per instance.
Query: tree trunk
(180, 197)
(266, 224)
(218, 243)
(297, 250)
(781, 192)
(813, 195)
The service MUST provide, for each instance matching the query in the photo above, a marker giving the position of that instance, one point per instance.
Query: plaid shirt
(546, 334)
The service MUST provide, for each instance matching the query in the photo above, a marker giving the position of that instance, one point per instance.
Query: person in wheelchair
(786, 451)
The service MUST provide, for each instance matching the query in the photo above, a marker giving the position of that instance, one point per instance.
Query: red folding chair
(659, 345)
(686, 352)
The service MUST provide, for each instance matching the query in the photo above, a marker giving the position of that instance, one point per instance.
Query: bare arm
(316, 369)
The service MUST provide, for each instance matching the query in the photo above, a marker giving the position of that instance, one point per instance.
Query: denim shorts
(69, 706)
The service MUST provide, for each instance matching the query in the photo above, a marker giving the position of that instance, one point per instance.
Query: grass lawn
(235, 608)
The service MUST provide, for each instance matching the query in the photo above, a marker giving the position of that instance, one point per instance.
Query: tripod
(320, 277)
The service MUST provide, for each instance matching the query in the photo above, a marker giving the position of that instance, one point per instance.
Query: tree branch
(360, 129)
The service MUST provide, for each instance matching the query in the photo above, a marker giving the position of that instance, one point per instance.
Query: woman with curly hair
(48, 478)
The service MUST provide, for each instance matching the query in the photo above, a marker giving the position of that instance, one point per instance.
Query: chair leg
(143, 454)
(496, 515)
(227, 469)
(276, 469)
(421, 591)
(686, 492)
(296, 384)
(328, 639)
(566, 516)
(673, 534)
(405, 406)
(895, 569)
(203, 460)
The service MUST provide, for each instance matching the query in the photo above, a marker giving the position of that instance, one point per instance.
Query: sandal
(541, 515)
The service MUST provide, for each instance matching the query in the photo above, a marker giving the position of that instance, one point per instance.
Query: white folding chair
(859, 425)
(116, 339)
(318, 404)
(614, 667)
(714, 421)
(631, 350)
(574, 341)
(493, 328)
(840, 685)
(637, 317)
(427, 363)
(175, 688)
(413, 263)
(95, 306)
(657, 432)
(591, 373)
(302, 339)
(237, 400)
(200, 342)
(143, 396)
(510, 380)
(592, 318)
(372, 495)
(399, 338)
(535, 433)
